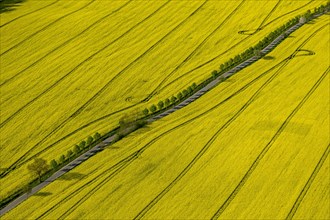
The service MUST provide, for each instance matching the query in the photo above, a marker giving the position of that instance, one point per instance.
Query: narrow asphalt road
(196, 95)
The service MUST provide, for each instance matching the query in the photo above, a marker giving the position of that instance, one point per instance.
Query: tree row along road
(99, 147)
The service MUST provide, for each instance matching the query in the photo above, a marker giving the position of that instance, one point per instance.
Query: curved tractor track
(195, 50)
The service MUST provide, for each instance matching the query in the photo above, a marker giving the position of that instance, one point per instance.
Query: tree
(69, 154)
(82, 144)
(180, 96)
(89, 140)
(62, 159)
(194, 86)
(308, 15)
(53, 164)
(214, 73)
(97, 136)
(185, 93)
(160, 104)
(237, 59)
(231, 62)
(145, 111)
(190, 90)
(222, 67)
(173, 99)
(167, 102)
(153, 108)
(76, 149)
(38, 167)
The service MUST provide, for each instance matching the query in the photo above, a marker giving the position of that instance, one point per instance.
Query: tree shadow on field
(72, 176)
(43, 194)
(269, 58)
(9, 5)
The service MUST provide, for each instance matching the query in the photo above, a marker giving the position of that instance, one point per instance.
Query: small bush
(160, 104)
(97, 136)
(179, 96)
(53, 164)
(82, 144)
(89, 140)
(167, 102)
(145, 111)
(173, 99)
(62, 159)
(190, 90)
(69, 154)
(214, 74)
(185, 93)
(153, 108)
(76, 149)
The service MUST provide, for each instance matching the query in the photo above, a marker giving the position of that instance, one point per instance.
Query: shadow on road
(43, 194)
(9, 5)
(72, 176)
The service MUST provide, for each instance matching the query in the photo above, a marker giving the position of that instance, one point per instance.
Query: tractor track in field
(81, 108)
(226, 51)
(98, 186)
(308, 184)
(29, 13)
(262, 23)
(118, 167)
(46, 27)
(115, 168)
(57, 48)
(287, 13)
(195, 50)
(266, 148)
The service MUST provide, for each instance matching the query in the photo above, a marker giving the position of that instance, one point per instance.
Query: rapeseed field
(256, 143)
